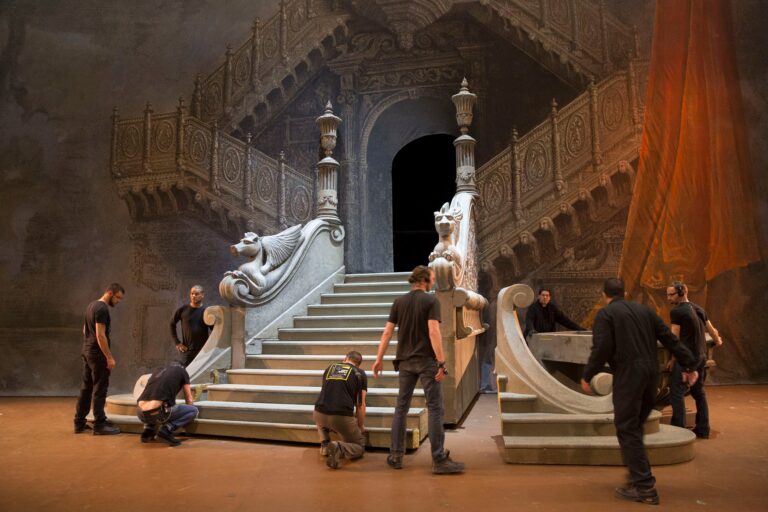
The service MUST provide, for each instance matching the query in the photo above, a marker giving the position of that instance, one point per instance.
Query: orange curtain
(692, 214)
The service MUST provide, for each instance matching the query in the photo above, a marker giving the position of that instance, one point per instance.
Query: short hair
(420, 273)
(198, 287)
(542, 290)
(613, 287)
(680, 288)
(114, 288)
(355, 357)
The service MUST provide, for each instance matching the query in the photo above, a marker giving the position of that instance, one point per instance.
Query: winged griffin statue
(267, 256)
(445, 259)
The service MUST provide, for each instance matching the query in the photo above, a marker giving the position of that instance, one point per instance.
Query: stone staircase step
(376, 397)
(542, 424)
(323, 347)
(297, 413)
(332, 334)
(516, 402)
(304, 362)
(374, 287)
(344, 321)
(376, 437)
(348, 309)
(377, 278)
(670, 445)
(359, 298)
(386, 379)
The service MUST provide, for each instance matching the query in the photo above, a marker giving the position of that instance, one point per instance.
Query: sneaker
(395, 461)
(447, 467)
(105, 430)
(148, 435)
(324, 449)
(79, 429)
(167, 437)
(334, 454)
(631, 493)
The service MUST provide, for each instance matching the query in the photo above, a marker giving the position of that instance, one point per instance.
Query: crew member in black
(340, 408)
(194, 331)
(688, 322)
(157, 408)
(97, 362)
(544, 315)
(624, 335)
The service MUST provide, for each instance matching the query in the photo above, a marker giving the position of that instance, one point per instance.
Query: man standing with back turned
(194, 331)
(419, 358)
(97, 362)
(624, 335)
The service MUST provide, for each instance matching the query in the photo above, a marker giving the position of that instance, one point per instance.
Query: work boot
(324, 448)
(395, 461)
(334, 455)
(148, 435)
(105, 430)
(79, 429)
(165, 435)
(632, 493)
(447, 466)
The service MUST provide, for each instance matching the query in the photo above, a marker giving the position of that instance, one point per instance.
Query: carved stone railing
(173, 162)
(454, 262)
(560, 166)
(582, 32)
(277, 51)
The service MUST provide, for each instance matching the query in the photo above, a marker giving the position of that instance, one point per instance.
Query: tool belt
(157, 416)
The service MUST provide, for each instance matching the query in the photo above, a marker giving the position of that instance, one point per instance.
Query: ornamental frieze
(408, 78)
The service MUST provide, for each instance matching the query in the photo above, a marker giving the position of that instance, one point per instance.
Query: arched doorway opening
(423, 178)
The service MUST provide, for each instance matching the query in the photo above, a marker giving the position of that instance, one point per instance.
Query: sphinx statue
(446, 259)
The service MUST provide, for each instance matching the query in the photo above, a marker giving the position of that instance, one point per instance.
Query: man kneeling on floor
(341, 409)
(157, 407)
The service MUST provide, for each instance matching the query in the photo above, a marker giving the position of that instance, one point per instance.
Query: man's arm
(101, 339)
(566, 322)
(603, 347)
(188, 394)
(529, 321)
(437, 345)
(672, 343)
(714, 333)
(174, 335)
(676, 331)
(360, 411)
(386, 336)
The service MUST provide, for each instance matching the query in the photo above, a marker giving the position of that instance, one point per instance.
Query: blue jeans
(412, 371)
(677, 398)
(180, 416)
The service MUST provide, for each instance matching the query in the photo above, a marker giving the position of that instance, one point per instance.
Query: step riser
(372, 288)
(509, 406)
(567, 429)
(357, 299)
(347, 309)
(298, 417)
(299, 398)
(344, 323)
(331, 350)
(595, 456)
(377, 278)
(331, 335)
(305, 380)
(258, 363)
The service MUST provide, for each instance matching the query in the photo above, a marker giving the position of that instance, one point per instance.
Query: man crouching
(157, 407)
(341, 409)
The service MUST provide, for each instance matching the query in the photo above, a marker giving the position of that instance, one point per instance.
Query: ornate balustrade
(559, 163)
(275, 49)
(582, 32)
(162, 163)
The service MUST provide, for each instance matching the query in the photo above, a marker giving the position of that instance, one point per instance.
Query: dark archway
(423, 178)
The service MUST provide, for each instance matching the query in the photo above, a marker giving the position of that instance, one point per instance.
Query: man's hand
(376, 368)
(718, 341)
(670, 364)
(440, 374)
(111, 363)
(181, 348)
(691, 377)
(586, 388)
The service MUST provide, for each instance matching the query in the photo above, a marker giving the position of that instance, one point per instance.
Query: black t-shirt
(194, 331)
(691, 327)
(165, 383)
(343, 384)
(410, 313)
(97, 312)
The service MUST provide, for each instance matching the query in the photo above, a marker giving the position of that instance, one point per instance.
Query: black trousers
(189, 356)
(93, 389)
(634, 394)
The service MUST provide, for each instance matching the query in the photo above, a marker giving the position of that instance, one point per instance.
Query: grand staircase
(273, 397)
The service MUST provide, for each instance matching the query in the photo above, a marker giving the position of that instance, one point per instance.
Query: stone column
(328, 167)
(464, 144)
